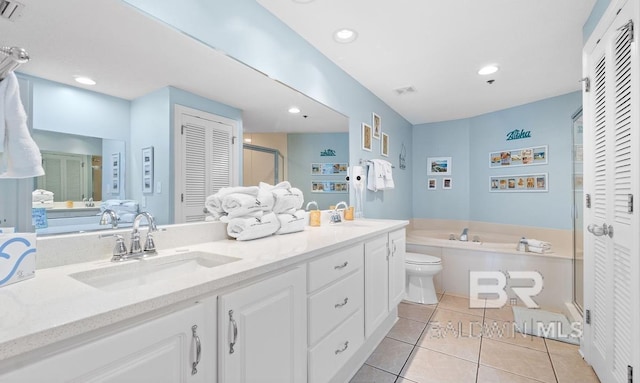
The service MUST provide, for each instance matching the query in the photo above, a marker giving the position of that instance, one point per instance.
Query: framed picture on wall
(366, 137)
(439, 166)
(432, 184)
(329, 169)
(329, 187)
(384, 145)
(447, 183)
(536, 182)
(115, 173)
(147, 170)
(377, 126)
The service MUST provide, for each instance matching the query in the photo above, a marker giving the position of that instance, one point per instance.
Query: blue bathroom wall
(304, 149)
(249, 33)
(469, 143)
(152, 120)
(67, 109)
(443, 139)
(596, 14)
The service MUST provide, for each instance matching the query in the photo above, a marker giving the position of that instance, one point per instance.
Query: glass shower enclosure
(578, 206)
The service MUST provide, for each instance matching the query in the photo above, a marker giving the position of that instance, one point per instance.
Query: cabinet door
(263, 331)
(397, 245)
(376, 283)
(162, 350)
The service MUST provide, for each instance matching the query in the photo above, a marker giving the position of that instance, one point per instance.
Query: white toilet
(420, 271)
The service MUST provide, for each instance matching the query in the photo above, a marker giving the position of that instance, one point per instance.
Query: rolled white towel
(41, 195)
(292, 223)
(286, 199)
(240, 204)
(281, 185)
(213, 203)
(538, 243)
(225, 218)
(539, 250)
(247, 228)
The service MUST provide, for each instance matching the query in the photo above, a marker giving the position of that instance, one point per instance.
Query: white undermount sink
(148, 271)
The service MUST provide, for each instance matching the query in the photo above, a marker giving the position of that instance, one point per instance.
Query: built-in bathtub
(496, 251)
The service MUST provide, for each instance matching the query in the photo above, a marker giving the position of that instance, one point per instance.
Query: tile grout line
(553, 368)
(417, 340)
(484, 315)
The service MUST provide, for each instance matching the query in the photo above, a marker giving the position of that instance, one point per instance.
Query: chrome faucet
(112, 215)
(335, 214)
(464, 236)
(149, 245)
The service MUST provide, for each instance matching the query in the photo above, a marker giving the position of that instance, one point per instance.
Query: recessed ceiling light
(345, 35)
(85, 80)
(247, 140)
(489, 69)
(294, 110)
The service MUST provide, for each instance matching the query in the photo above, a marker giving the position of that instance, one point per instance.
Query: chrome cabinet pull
(341, 266)
(343, 349)
(338, 305)
(194, 370)
(235, 331)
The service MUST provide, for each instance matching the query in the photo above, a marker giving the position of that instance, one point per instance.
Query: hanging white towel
(21, 157)
(380, 176)
(244, 229)
(292, 223)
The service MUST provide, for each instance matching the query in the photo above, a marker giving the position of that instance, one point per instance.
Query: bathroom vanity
(308, 306)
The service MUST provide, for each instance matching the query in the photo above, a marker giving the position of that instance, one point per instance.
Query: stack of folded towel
(380, 175)
(255, 212)
(42, 198)
(125, 209)
(537, 246)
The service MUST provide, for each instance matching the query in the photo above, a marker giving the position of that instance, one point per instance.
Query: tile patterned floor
(423, 347)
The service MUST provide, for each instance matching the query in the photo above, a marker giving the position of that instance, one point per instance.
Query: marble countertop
(53, 306)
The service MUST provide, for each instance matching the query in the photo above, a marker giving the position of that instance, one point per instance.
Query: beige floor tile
(571, 368)
(460, 304)
(491, 375)
(464, 347)
(368, 374)
(427, 366)
(390, 355)
(503, 313)
(557, 347)
(506, 332)
(518, 360)
(415, 311)
(404, 380)
(407, 330)
(446, 321)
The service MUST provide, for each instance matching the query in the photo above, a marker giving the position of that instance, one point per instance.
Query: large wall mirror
(79, 128)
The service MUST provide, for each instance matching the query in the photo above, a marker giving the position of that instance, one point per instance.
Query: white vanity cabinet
(384, 277)
(336, 311)
(262, 331)
(164, 349)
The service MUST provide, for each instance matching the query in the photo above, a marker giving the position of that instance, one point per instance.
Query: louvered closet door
(206, 164)
(611, 242)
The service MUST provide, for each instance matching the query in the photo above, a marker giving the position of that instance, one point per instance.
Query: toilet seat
(422, 259)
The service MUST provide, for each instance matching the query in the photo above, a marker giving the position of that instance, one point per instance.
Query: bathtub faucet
(464, 236)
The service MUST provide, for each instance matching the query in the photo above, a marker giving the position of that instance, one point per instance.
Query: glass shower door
(578, 206)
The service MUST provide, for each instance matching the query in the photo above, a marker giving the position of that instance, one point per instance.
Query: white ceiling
(434, 46)
(130, 55)
(437, 46)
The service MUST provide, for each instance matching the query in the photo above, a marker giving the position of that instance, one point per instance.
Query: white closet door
(611, 242)
(204, 163)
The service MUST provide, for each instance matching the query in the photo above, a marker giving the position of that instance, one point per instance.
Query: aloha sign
(518, 134)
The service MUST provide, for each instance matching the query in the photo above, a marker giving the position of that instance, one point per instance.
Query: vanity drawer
(331, 267)
(336, 349)
(330, 306)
